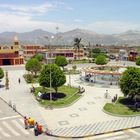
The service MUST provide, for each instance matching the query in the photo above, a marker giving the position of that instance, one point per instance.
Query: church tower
(16, 45)
(16, 42)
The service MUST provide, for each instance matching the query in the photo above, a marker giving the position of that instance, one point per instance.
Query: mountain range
(40, 36)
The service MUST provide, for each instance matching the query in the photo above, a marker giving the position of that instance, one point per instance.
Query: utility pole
(57, 28)
(50, 56)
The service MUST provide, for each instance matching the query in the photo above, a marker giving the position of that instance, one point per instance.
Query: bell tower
(16, 42)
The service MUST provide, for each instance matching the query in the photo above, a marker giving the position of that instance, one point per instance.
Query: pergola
(94, 71)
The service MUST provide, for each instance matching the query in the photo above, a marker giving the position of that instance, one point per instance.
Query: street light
(46, 37)
(57, 28)
(69, 78)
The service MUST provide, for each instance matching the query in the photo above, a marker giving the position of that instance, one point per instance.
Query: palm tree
(77, 44)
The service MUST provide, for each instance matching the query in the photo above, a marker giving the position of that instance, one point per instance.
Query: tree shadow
(2, 86)
(55, 96)
(128, 102)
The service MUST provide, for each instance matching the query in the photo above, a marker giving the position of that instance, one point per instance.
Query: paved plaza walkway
(85, 117)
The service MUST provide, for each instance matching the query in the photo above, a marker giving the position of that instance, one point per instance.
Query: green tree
(1, 73)
(33, 65)
(101, 60)
(61, 61)
(130, 82)
(74, 67)
(39, 57)
(138, 61)
(77, 45)
(96, 50)
(57, 76)
(94, 55)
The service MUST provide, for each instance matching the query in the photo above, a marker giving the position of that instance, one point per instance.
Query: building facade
(69, 53)
(31, 50)
(132, 55)
(9, 55)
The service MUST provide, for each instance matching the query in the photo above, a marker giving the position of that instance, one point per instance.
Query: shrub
(138, 61)
(28, 78)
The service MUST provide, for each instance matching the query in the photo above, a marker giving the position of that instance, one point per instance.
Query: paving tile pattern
(99, 127)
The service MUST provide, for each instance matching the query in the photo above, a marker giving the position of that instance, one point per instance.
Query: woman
(36, 129)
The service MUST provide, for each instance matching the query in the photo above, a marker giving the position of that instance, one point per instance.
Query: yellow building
(9, 55)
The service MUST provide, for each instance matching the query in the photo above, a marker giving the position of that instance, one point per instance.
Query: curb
(117, 115)
(12, 107)
(19, 112)
(54, 107)
(92, 135)
(86, 136)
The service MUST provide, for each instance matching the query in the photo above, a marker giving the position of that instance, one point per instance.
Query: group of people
(106, 95)
(29, 123)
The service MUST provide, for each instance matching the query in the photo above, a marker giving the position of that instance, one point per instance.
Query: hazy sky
(101, 16)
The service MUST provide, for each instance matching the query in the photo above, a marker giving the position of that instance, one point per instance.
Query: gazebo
(111, 72)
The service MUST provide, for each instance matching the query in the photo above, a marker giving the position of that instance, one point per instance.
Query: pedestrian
(26, 122)
(136, 106)
(36, 129)
(106, 94)
(19, 80)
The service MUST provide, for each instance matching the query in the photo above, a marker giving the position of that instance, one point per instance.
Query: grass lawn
(71, 71)
(80, 61)
(69, 92)
(123, 106)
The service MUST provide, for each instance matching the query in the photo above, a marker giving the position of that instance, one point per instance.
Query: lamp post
(7, 81)
(57, 28)
(69, 79)
(46, 37)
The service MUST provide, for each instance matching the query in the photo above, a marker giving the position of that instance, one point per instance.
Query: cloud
(33, 9)
(26, 23)
(69, 8)
(10, 22)
(20, 18)
(78, 20)
(27, 10)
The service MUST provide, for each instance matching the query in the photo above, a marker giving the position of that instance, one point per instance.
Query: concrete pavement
(86, 112)
(20, 96)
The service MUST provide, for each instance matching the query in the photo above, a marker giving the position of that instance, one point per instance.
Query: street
(12, 126)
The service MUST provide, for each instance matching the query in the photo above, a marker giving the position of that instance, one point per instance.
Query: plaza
(85, 117)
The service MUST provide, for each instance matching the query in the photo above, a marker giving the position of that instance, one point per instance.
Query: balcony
(8, 55)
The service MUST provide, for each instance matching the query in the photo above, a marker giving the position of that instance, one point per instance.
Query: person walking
(36, 129)
(19, 80)
(106, 94)
(26, 122)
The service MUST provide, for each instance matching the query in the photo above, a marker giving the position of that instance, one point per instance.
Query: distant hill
(40, 36)
(32, 37)
(131, 37)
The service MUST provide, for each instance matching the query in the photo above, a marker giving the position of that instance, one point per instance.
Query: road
(22, 67)
(12, 126)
